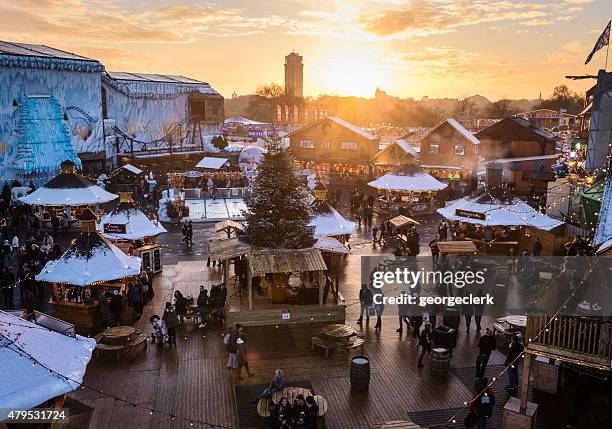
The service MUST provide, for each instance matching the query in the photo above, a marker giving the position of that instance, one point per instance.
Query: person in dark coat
(171, 320)
(435, 252)
(311, 413)
(282, 416)
(366, 298)
(202, 303)
(6, 279)
(105, 311)
(220, 303)
(486, 345)
(403, 313)
(242, 358)
(134, 298)
(482, 403)
(537, 247)
(515, 352)
(425, 341)
(442, 231)
(180, 305)
(116, 306)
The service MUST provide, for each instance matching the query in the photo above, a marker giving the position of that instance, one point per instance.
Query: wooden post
(525, 382)
(321, 286)
(226, 272)
(250, 289)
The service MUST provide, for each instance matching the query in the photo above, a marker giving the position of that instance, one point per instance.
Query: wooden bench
(356, 343)
(321, 343)
(397, 424)
(109, 348)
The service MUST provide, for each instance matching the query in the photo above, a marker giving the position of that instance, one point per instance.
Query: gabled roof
(340, 122)
(42, 51)
(399, 144)
(544, 113)
(150, 77)
(516, 128)
(458, 127)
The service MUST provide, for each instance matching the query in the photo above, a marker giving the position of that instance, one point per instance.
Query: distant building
(294, 75)
(525, 153)
(333, 142)
(548, 119)
(450, 153)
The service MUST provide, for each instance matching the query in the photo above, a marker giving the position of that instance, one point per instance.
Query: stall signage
(470, 214)
(114, 228)
(286, 314)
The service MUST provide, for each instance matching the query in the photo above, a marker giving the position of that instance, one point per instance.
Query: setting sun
(353, 74)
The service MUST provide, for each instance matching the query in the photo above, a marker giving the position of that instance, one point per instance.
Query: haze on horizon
(435, 48)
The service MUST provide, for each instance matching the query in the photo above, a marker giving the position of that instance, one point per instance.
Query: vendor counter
(85, 317)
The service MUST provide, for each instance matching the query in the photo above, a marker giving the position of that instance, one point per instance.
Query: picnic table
(120, 339)
(337, 334)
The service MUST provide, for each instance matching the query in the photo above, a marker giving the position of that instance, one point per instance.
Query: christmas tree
(278, 211)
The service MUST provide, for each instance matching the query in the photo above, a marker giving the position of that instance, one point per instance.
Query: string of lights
(13, 346)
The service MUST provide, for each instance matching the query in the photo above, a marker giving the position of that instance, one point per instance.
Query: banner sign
(470, 214)
(114, 228)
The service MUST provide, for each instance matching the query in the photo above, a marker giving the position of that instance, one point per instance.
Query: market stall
(130, 229)
(92, 264)
(326, 220)
(32, 360)
(407, 189)
(496, 221)
(64, 197)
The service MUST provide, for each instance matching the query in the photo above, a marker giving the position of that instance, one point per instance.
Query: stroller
(160, 333)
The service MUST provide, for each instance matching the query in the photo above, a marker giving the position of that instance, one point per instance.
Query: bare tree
(273, 90)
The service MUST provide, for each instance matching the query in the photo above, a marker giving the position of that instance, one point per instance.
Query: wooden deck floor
(192, 380)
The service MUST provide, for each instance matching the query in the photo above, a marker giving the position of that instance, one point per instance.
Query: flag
(604, 40)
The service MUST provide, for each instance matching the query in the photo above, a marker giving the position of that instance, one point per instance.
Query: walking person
(180, 305)
(481, 405)
(231, 345)
(468, 312)
(435, 252)
(486, 345)
(190, 233)
(202, 303)
(116, 306)
(515, 352)
(171, 320)
(425, 341)
(241, 358)
(135, 299)
(379, 308)
(366, 297)
(403, 313)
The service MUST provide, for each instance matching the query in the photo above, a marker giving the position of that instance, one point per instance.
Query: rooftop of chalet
(515, 128)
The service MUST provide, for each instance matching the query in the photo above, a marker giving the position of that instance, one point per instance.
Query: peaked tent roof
(408, 177)
(24, 385)
(137, 224)
(518, 129)
(327, 221)
(68, 189)
(44, 139)
(457, 126)
(243, 121)
(90, 259)
(501, 208)
(340, 122)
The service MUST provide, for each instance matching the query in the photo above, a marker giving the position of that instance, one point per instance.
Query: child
(159, 327)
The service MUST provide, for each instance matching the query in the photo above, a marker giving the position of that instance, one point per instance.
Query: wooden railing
(580, 339)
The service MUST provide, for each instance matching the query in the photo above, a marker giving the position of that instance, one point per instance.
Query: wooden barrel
(360, 373)
(440, 361)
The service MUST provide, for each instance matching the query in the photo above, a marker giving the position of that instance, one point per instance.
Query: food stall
(325, 218)
(495, 221)
(66, 195)
(91, 262)
(131, 230)
(407, 189)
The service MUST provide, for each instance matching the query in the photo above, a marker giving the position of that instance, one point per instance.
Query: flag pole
(607, 51)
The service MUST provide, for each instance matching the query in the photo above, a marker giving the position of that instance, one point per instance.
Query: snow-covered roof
(25, 385)
(327, 221)
(68, 189)
(458, 127)
(484, 209)
(407, 147)
(137, 224)
(133, 169)
(211, 162)
(521, 159)
(90, 259)
(330, 244)
(352, 127)
(408, 177)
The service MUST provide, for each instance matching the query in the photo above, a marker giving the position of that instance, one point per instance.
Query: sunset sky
(438, 48)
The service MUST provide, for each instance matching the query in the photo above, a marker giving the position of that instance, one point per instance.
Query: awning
(25, 385)
(401, 220)
(457, 247)
(132, 169)
(263, 262)
(228, 225)
(330, 244)
(211, 163)
(227, 248)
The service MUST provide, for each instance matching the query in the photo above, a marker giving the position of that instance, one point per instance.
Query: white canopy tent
(27, 384)
(129, 218)
(330, 244)
(327, 221)
(407, 178)
(68, 189)
(211, 163)
(90, 259)
(483, 209)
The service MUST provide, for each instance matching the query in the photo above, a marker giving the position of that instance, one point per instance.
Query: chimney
(88, 221)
